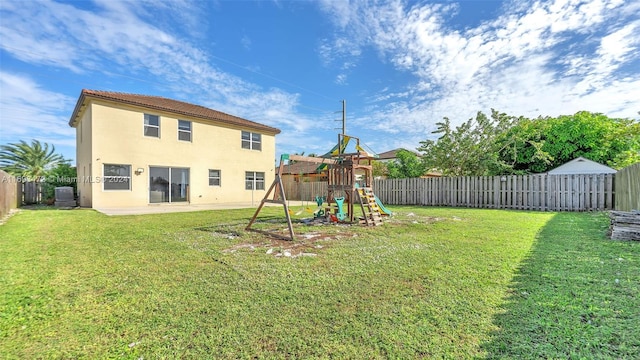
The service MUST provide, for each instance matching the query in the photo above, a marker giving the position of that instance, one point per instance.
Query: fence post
(610, 192)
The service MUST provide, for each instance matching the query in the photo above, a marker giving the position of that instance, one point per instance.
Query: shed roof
(581, 165)
(163, 104)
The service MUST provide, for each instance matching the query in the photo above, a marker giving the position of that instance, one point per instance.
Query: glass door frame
(169, 185)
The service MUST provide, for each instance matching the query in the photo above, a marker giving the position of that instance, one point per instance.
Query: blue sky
(401, 66)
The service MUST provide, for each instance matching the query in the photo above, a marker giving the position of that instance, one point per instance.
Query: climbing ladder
(370, 209)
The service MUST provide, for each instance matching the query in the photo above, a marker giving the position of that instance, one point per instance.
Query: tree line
(500, 144)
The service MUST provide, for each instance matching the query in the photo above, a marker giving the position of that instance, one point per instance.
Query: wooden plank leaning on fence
(625, 225)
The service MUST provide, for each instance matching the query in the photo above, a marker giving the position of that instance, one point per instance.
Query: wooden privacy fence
(9, 193)
(31, 192)
(526, 192)
(628, 188)
(305, 191)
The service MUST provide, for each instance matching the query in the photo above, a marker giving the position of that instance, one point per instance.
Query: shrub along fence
(526, 192)
(628, 188)
(9, 193)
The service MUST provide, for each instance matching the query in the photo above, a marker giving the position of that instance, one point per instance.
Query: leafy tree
(406, 165)
(29, 160)
(505, 144)
(610, 141)
(379, 168)
(521, 146)
(62, 175)
(473, 148)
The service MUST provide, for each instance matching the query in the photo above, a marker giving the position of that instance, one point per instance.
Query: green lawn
(429, 283)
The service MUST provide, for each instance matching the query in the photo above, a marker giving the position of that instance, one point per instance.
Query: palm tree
(29, 160)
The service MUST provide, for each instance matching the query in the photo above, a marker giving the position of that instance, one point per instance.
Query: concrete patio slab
(171, 208)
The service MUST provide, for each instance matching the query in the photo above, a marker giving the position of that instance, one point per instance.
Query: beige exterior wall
(83, 159)
(115, 135)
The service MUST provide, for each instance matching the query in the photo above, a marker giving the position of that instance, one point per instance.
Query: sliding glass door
(179, 185)
(158, 185)
(168, 185)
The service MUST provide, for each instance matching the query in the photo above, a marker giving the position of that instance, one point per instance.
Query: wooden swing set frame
(279, 197)
(341, 178)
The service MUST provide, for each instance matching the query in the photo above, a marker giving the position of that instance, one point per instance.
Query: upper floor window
(184, 130)
(151, 125)
(117, 177)
(252, 141)
(214, 177)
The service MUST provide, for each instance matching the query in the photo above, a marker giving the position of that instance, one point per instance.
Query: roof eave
(84, 95)
(77, 109)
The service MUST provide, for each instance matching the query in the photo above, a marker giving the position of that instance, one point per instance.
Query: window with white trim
(151, 125)
(254, 180)
(214, 177)
(116, 177)
(184, 130)
(251, 141)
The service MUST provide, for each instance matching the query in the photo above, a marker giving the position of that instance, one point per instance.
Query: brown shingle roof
(169, 105)
(301, 167)
(392, 154)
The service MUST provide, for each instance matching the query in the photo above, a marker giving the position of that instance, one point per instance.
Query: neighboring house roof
(163, 104)
(581, 165)
(301, 167)
(391, 154)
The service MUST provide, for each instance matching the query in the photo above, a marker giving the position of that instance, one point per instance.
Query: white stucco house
(136, 150)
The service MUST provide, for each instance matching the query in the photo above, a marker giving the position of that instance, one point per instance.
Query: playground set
(350, 180)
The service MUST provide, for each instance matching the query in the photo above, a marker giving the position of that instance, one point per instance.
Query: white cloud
(345, 48)
(341, 79)
(246, 42)
(537, 58)
(31, 112)
(616, 46)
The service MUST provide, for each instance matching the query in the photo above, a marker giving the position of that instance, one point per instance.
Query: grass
(429, 283)
(575, 296)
